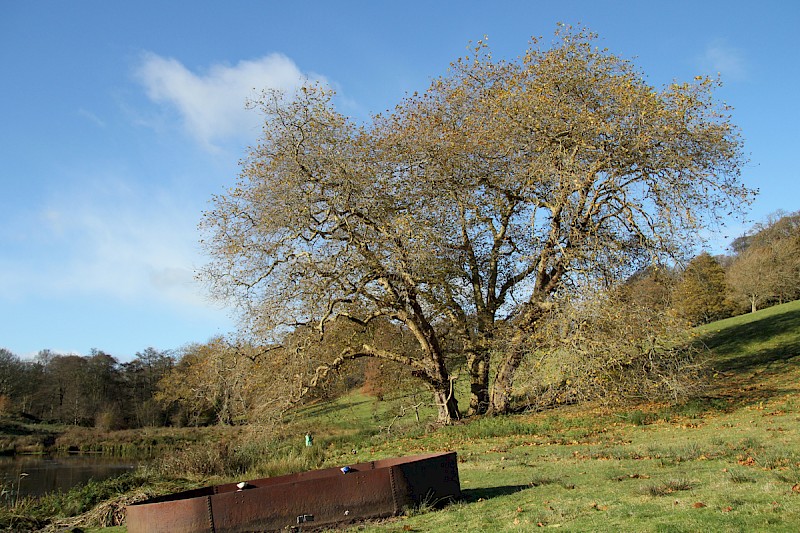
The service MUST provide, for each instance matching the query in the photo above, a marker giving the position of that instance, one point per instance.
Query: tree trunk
(478, 364)
(500, 401)
(447, 405)
(438, 376)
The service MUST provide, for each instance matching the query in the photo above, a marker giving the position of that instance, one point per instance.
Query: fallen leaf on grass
(727, 509)
(796, 487)
(699, 505)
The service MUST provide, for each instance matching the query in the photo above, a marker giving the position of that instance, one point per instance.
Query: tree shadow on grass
(486, 493)
(749, 346)
(761, 360)
(757, 359)
(325, 408)
(328, 408)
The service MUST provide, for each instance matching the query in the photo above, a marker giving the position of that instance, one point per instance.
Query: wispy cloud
(211, 104)
(91, 117)
(113, 242)
(721, 58)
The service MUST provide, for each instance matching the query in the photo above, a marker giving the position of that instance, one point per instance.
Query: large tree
(701, 294)
(320, 226)
(471, 205)
(209, 383)
(766, 267)
(12, 383)
(141, 377)
(751, 276)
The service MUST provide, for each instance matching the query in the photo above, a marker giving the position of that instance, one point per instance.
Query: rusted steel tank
(304, 501)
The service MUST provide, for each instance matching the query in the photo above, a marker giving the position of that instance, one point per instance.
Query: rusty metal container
(304, 501)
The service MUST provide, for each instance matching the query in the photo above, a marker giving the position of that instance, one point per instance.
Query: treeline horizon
(219, 382)
(85, 390)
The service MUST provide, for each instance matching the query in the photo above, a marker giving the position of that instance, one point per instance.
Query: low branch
(322, 371)
(404, 410)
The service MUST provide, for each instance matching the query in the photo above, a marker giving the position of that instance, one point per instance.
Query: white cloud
(211, 104)
(723, 59)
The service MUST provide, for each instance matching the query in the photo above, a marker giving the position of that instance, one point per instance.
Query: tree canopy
(766, 265)
(701, 294)
(471, 206)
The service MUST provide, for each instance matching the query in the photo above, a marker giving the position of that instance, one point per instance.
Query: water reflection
(47, 474)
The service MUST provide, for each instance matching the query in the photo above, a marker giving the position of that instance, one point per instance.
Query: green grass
(729, 461)
(755, 341)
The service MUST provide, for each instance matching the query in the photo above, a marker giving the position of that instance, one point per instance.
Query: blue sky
(120, 120)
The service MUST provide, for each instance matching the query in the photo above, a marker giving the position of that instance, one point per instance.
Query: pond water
(34, 475)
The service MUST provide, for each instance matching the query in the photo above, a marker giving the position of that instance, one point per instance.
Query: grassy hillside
(726, 462)
(729, 461)
(755, 343)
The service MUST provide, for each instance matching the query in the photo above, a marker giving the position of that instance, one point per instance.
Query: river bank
(22, 437)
